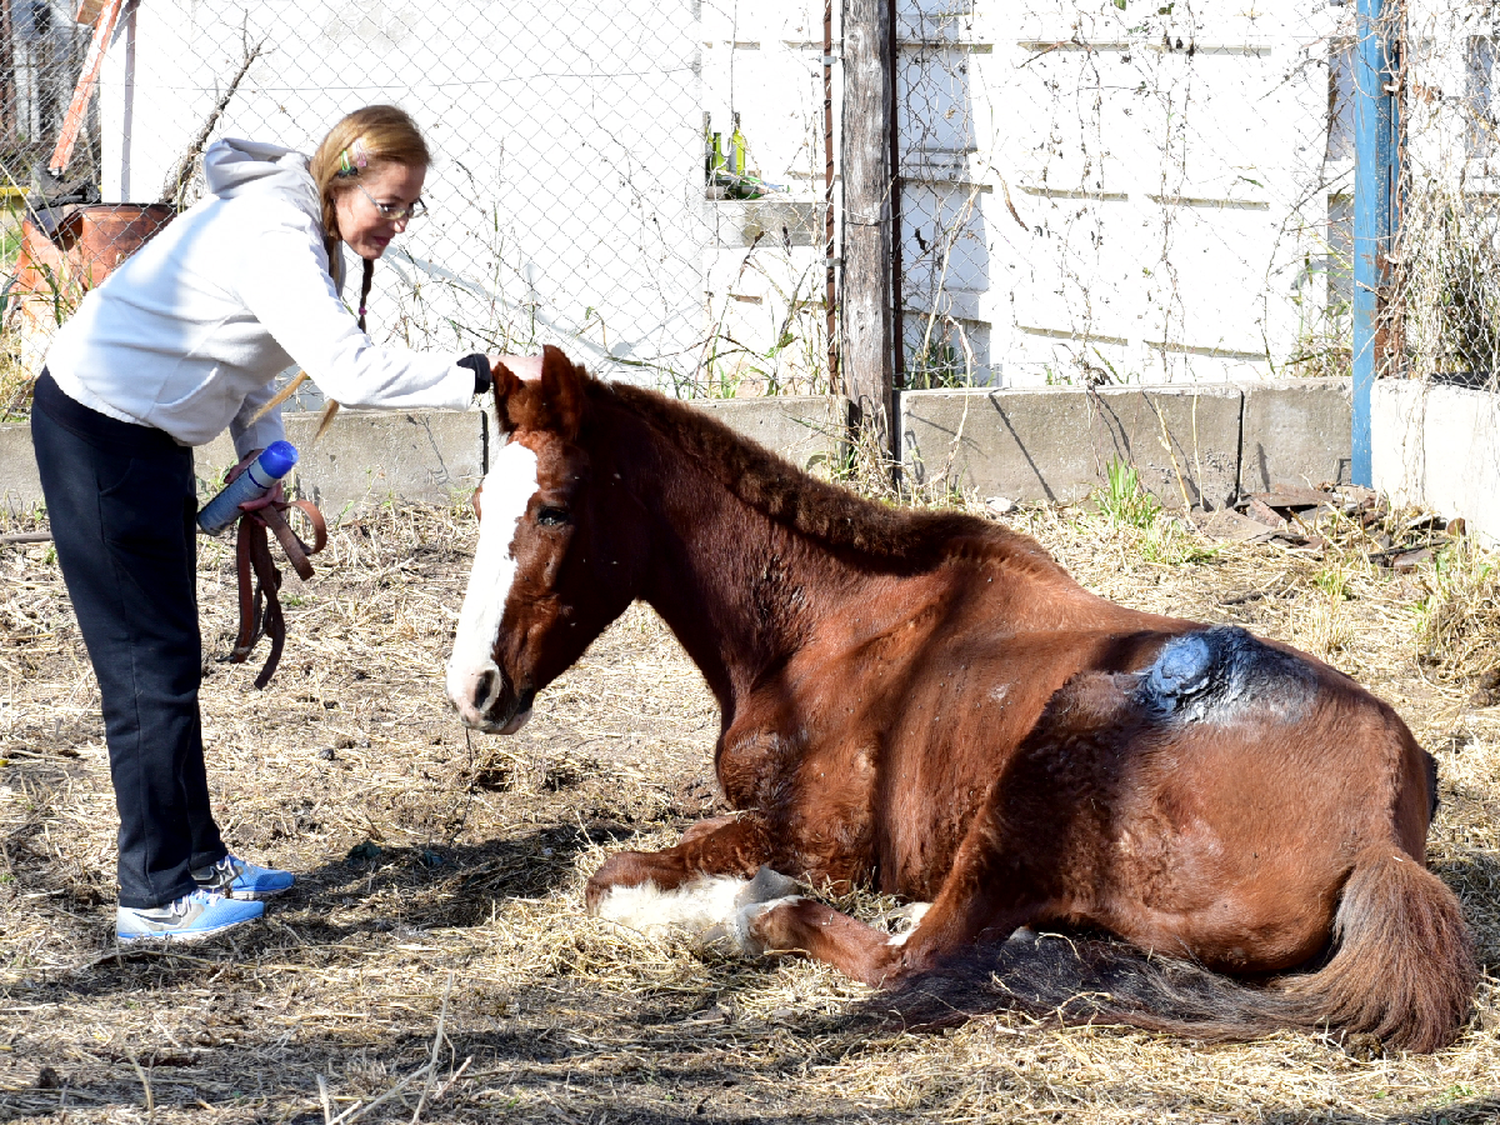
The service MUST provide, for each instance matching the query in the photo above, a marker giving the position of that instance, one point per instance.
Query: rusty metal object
(85, 248)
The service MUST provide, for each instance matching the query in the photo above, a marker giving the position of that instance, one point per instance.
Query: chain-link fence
(1448, 251)
(1087, 190)
(575, 196)
(1112, 190)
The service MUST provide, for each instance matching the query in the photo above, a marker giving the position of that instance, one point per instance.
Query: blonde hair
(377, 134)
(365, 139)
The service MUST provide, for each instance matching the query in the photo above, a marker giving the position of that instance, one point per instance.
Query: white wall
(1137, 190)
(1438, 447)
(1140, 193)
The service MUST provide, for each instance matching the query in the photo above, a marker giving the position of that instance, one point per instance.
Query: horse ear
(505, 383)
(504, 380)
(562, 390)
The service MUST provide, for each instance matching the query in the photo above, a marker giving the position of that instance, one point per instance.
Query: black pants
(121, 503)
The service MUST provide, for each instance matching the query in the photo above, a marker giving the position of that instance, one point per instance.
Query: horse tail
(1403, 964)
(1400, 968)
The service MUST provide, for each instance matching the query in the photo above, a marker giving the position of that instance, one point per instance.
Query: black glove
(479, 363)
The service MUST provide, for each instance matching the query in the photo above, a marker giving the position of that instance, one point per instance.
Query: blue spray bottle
(257, 479)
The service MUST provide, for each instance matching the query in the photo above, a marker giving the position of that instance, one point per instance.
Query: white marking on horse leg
(695, 906)
(908, 918)
(472, 672)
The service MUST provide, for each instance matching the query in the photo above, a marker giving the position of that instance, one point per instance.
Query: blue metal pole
(1374, 196)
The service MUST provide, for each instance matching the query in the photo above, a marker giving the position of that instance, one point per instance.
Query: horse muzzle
(487, 701)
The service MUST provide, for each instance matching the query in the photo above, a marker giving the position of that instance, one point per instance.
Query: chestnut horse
(925, 703)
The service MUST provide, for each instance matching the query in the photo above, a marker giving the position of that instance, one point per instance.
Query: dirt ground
(434, 962)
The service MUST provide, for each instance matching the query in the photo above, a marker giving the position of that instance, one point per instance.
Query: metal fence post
(1375, 180)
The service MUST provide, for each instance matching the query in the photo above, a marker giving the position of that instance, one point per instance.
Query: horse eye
(552, 517)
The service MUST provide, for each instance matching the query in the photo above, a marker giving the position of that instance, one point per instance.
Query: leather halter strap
(260, 607)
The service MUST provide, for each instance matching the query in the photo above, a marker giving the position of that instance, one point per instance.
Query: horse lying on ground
(926, 704)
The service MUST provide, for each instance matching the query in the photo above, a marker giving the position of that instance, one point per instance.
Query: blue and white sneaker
(232, 877)
(194, 917)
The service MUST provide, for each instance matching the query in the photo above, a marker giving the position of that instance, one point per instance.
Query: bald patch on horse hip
(1220, 674)
(508, 489)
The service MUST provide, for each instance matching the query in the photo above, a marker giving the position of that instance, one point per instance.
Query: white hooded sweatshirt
(188, 334)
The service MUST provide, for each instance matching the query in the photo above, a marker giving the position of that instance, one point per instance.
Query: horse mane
(828, 513)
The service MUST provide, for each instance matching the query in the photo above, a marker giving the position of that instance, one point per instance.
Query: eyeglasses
(395, 212)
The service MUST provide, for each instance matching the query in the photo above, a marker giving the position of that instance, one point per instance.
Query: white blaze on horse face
(508, 488)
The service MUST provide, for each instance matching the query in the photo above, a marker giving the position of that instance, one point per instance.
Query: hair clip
(353, 158)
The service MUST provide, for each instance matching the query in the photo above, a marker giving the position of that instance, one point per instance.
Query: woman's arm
(285, 284)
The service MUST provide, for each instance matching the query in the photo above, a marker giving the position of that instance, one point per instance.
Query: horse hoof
(766, 885)
(737, 932)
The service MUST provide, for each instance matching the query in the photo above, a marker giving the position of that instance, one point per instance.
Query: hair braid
(364, 289)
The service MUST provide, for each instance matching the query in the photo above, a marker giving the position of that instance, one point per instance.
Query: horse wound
(1220, 674)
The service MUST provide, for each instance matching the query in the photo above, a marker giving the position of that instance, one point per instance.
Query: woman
(184, 339)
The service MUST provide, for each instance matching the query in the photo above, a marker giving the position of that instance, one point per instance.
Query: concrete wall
(1295, 432)
(370, 457)
(20, 489)
(1439, 447)
(806, 430)
(363, 461)
(1207, 443)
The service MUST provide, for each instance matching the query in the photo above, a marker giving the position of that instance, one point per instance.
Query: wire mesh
(1448, 250)
(1116, 191)
(1087, 191)
(572, 200)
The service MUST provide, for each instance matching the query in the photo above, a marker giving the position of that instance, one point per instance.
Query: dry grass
(434, 962)
(15, 380)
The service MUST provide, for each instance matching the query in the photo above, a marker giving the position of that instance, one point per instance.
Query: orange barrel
(89, 243)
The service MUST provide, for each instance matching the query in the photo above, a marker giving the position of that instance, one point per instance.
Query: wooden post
(78, 109)
(893, 138)
(865, 359)
(830, 247)
(9, 105)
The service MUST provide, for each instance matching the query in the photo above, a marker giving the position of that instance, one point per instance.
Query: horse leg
(820, 835)
(1029, 856)
(985, 897)
(716, 868)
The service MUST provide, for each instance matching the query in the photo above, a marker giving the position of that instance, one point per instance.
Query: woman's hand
(275, 495)
(526, 367)
(245, 462)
